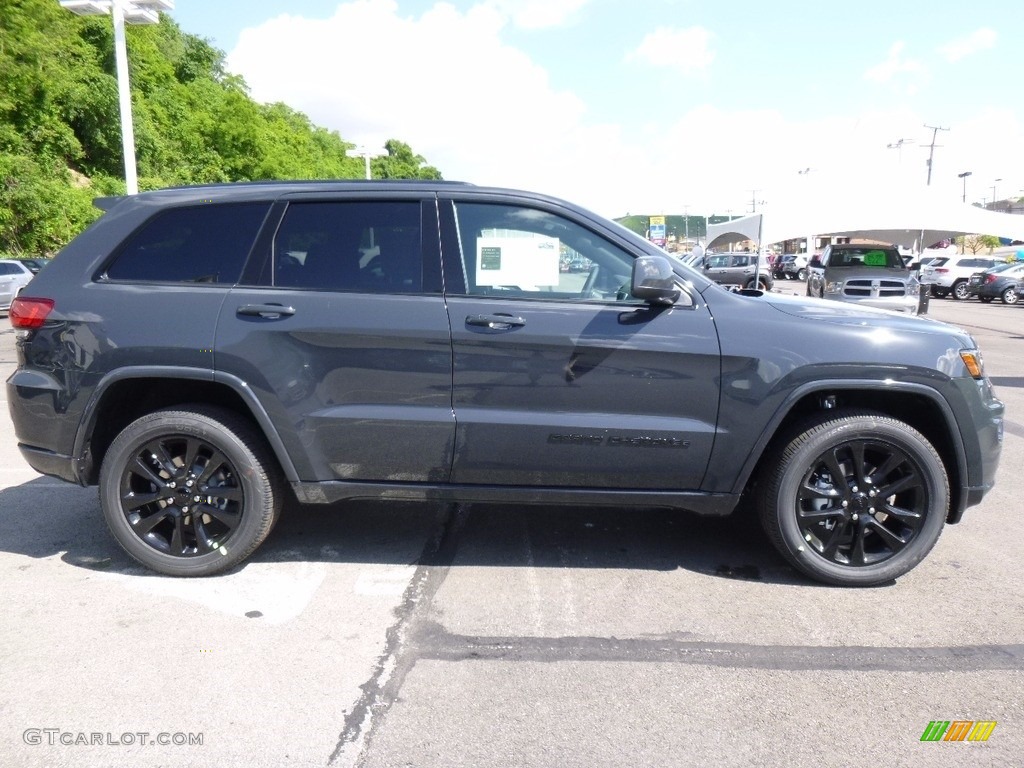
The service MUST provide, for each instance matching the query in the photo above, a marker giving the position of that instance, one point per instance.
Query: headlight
(834, 286)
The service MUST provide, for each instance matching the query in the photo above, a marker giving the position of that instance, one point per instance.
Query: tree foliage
(975, 243)
(60, 131)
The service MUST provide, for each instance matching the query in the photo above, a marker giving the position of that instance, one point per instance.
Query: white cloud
(447, 83)
(979, 40)
(895, 64)
(685, 50)
(539, 14)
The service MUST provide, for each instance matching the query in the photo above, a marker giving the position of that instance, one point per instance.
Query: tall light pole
(964, 176)
(994, 182)
(366, 154)
(132, 12)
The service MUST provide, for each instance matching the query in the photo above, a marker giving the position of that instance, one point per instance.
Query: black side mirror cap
(654, 281)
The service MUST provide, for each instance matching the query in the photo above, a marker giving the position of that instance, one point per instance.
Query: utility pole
(753, 200)
(931, 153)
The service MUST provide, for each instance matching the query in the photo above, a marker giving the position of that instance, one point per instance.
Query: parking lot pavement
(413, 634)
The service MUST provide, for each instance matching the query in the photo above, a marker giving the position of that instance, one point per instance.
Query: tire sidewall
(243, 540)
(833, 434)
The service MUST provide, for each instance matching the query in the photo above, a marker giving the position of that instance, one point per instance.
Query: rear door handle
(267, 311)
(497, 322)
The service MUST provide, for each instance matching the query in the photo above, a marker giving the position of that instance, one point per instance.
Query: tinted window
(865, 257)
(206, 244)
(9, 269)
(513, 251)
(350, 246)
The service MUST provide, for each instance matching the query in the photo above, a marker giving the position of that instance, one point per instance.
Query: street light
(366, 154)
(996, 181)
(898, 146)
(964, 176)
(132, 12)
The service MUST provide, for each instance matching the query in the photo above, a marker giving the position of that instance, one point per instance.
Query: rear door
(341, 333)
(562, 379)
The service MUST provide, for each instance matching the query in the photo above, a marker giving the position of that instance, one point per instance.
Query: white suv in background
(14, 276)
(949, 274)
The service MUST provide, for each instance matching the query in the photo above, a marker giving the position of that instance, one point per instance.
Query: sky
(659, 106)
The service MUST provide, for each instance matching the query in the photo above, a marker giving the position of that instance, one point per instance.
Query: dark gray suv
(201, 353)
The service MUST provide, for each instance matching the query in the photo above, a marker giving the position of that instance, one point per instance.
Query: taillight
(941, 270)
(28, 314)
(990, 278)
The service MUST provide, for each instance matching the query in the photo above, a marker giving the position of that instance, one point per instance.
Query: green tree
(195, 123)
(401, 163)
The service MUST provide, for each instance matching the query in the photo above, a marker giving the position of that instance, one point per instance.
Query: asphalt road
(412, 635)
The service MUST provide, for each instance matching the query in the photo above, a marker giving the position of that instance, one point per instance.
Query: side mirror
(815, 262)
(654, 281)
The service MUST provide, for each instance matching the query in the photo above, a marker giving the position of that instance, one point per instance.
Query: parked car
(949, 274)
(796, 268)
(737, 270)
(1000, 282)
(14, 276)
(202, 353)
(36, 263)
(872, 275)
(579, 264)
(779, 265)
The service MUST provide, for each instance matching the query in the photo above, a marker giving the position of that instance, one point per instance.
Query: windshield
(866, 257)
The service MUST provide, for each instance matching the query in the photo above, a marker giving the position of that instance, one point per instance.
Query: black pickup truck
(202, 353)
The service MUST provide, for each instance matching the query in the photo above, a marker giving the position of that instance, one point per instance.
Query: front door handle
(267, 311)
(497, 322)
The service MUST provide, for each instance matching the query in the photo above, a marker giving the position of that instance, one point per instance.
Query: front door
(561, 378)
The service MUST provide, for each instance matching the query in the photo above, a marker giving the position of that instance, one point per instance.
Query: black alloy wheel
(855, 499)
(189, 492)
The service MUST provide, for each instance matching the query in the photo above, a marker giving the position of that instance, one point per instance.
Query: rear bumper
(53, 464)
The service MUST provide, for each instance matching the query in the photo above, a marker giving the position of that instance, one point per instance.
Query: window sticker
(523, 261)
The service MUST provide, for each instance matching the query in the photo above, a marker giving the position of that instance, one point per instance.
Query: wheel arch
(917, 405)
(128, 393)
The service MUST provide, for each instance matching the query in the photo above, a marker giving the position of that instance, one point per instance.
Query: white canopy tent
(901, 219)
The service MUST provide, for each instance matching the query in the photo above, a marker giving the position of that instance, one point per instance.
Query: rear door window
(361, 246)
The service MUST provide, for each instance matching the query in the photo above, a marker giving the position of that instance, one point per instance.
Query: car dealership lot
(487, 635)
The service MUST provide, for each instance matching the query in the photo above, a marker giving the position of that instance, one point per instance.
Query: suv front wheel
(855, 499)
(190, 491)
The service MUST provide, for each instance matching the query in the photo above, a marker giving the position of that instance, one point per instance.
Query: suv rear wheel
(761, 284)
(855, 499)
(190, 491)
(961, 291)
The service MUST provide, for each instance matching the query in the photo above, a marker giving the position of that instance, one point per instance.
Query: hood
(841, 313)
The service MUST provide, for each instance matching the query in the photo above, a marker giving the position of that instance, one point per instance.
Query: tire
(801, 275)
(835, 532)
(1009, 296)
(149, 501)
(940, 293)
(960, 290)
(760, 285)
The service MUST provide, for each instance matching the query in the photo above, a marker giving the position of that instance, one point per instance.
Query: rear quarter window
(199, 244)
